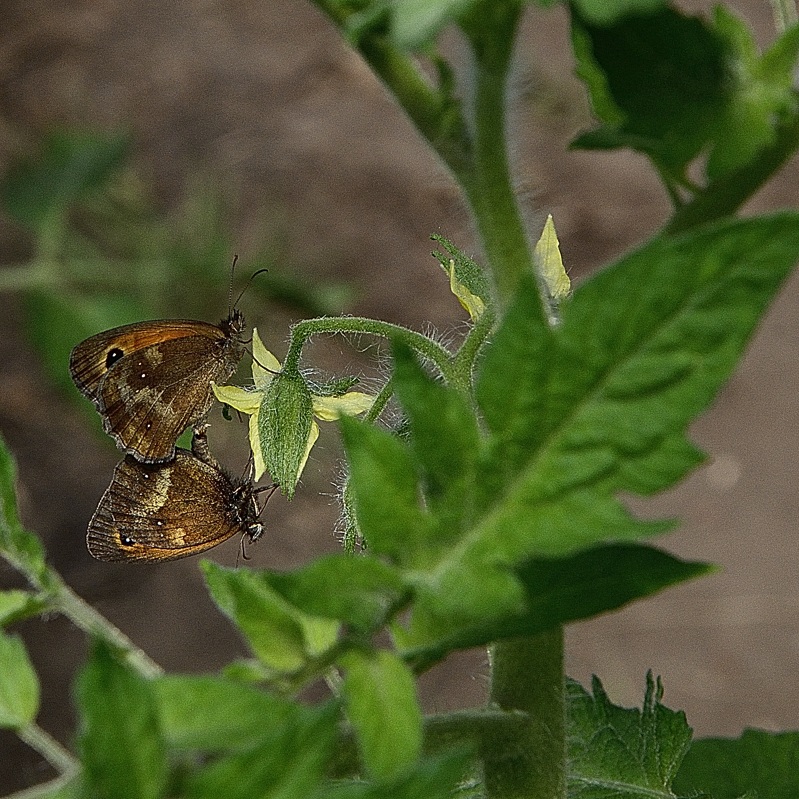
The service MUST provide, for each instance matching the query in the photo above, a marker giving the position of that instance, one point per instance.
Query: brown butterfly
(154, 512)
(151, 380)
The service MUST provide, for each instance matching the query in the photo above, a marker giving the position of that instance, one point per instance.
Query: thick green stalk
(527, 677)
(488, 184)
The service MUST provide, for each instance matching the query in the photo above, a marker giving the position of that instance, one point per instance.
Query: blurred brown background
(264, 100)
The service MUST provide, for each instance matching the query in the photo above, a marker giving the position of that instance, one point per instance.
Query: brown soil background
(300, 138)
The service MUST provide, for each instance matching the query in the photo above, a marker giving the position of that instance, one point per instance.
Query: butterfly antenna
(230, 284)
(249, 282)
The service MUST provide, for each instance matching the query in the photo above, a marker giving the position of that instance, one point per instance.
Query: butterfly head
(246, 511)
(233, 326)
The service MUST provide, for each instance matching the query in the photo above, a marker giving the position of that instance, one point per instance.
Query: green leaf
(596, 406)
(284, 424)
(286, 762)
(606, 12)
(16, 605)
(357, 590)
(658, 81)
(19, 546)
(280, 635)
(68, 166)
(623, 752)
(762, 94)
(643, 348)
(215, 714)
(381, 703)
(758, 764)
(415, 23)
(777, 63)
(445, 443)
(384, 487)
(511, 385)
(122, 749)
(558, 591)
(19, 686)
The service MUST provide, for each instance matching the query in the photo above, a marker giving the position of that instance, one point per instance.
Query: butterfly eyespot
(126, 541)
(148, 425)
(159, 523)
(112, 357)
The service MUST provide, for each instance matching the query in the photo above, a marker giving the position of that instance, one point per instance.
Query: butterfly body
(151, 380)
(155, 512)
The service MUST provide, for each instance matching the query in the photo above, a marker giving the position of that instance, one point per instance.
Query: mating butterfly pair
(150, 381)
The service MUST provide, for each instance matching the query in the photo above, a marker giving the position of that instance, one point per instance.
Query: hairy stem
(527, 676)
(355, 325)
(488, 184)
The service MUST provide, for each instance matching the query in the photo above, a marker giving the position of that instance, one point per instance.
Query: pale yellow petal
(353, 403)
(237, 397)
(549, 264)
(313, 434)
(470, 302)
(264, 364)
(255, 446)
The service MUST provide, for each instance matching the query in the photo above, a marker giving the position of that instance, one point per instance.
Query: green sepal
(467, 271)
(284, 424)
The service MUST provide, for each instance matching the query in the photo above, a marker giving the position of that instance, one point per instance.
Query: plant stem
(464, 361)
(425, 346)
(58, 596)
(488, 185)
(84, 616)
(431, 110)
(527, 676)
(47, 746)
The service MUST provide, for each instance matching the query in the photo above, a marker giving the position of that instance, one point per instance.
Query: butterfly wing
(153, 512)
(151, 380)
